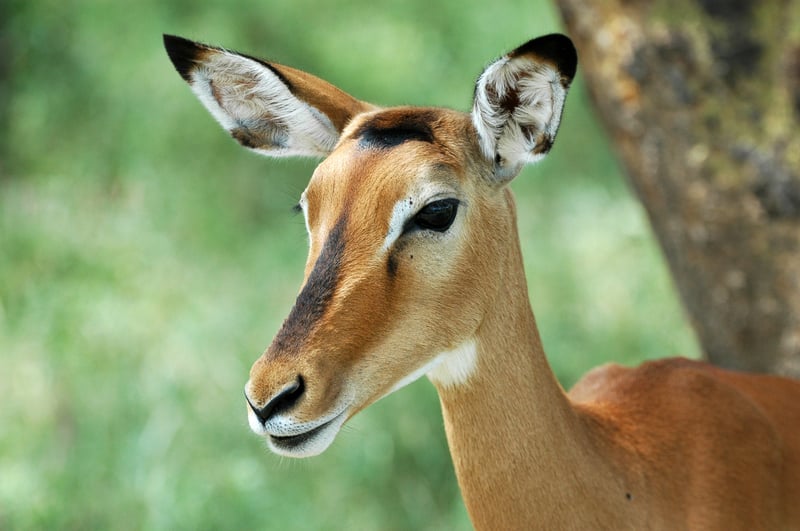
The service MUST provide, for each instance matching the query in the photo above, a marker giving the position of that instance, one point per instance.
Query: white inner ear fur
(238, 91)
(513, 135)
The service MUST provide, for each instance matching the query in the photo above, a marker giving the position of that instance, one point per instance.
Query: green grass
(146, 261)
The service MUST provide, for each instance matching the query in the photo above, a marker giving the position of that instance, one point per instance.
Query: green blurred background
(146, 260)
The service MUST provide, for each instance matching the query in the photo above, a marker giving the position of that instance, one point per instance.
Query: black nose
(282, 401)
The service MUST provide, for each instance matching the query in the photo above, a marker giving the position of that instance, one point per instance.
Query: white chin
(300, 446)
(307, 444)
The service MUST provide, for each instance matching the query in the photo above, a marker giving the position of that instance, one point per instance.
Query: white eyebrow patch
(402, 212)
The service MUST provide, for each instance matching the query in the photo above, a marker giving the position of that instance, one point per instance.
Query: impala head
(409, 224)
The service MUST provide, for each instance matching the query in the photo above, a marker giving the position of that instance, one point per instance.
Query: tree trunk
(702, 102)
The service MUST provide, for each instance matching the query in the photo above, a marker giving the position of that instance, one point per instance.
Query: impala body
(414, 268)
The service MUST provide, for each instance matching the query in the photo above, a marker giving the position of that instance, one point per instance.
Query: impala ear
(519, 100)
(270, 108)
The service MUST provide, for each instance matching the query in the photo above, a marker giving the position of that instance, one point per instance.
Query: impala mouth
(293, 441)
(308, 443)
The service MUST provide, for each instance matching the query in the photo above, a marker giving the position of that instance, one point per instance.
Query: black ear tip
(183, 53)
(556, 48)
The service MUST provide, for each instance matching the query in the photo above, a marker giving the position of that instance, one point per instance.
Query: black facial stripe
(316, 295)
(391, 264)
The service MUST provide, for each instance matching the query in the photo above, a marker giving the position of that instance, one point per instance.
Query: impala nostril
(285, 399)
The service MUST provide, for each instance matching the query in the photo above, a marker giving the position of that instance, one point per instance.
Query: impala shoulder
(679, 409)
(668, 381)
(596, 381)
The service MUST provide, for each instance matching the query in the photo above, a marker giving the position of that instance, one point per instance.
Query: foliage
(145, 261)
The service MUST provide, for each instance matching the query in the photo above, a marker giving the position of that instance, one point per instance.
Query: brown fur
(669, 445)
(672, 444)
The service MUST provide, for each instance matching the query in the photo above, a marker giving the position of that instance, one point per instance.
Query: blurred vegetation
(146, 260)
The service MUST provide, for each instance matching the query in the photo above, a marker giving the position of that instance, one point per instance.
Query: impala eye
(437, 216)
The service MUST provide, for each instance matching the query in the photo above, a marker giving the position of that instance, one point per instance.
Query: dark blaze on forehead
(394, 127)
(316, 294)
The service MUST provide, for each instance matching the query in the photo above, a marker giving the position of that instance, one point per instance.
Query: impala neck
(524, 457)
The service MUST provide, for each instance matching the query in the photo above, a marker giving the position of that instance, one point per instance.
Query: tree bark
(701, 99)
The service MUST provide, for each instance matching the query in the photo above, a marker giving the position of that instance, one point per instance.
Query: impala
(415, 269)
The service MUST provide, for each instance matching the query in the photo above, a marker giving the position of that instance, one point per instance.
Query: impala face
(390, 228)
(408, 220)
